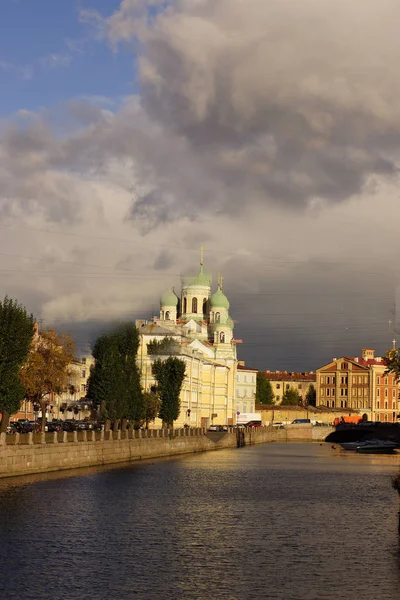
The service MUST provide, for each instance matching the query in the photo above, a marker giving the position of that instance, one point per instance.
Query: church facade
(200, 324)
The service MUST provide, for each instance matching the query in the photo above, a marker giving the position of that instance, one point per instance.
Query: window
(245, 378)
(377, 404)
(194, 305)
(328, 392)
(83, 374)
(167, 315)
(245, 394)
(378, 392)
(386, 380)
(378, 380)
(185, 305)
(322, 392)
(328, 380)
(204, 306)
(299, 386)
(333, 404)
(386, 405)
(278, 398)
(278, 386)
(237, 395)
(222, 337)
(354, 379)
(287, 386)
(217, 317)
(341, 404)
(83, 388)
(333, 379)
(386, 393)
(393, 393)
(344, 366)
(342, 393)
(84, 361)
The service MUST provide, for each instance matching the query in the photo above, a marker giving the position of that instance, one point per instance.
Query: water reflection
(282, 521)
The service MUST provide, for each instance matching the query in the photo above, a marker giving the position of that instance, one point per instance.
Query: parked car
(11, 429)
(53, 426)
(278, 424)
(254, 424)
(301, 421)
(69, 425)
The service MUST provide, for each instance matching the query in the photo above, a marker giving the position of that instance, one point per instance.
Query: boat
(377, 447)
(371, 446)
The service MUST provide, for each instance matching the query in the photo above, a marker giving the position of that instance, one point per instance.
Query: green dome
(219, 300)
(169, 298)
(203, 279)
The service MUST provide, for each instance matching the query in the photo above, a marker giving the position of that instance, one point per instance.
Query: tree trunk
(43, 409)
(5, 419)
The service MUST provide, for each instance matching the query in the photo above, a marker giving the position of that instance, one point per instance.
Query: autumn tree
(46, 371)
(291, 397)
(16, 333)
(169, 375)
(392, 361)
(264, 392)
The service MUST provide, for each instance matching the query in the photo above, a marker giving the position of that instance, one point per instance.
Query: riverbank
(90, 449)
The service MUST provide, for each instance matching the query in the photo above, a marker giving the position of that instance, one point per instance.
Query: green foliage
(165, 347)
(169, 375)
(152, 405)
(393, 363)
(16, 333)
(264, 393)
(291, 397)
(311, 395)
(114, 381)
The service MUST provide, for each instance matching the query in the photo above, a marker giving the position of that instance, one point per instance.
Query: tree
(114, 382)
(152, 405)
(46, 371)
(393, 363)
(169, 375)
(16, 333)
(167, 346)
(311, 395)
(264, 392)
(291, 397)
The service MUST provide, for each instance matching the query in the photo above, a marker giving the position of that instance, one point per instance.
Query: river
(273, 521)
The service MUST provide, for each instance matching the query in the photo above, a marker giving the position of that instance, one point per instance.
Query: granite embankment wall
(39, 455)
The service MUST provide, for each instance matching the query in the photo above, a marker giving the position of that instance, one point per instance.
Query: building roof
(290, 376)
(244, 368)
(169, 298)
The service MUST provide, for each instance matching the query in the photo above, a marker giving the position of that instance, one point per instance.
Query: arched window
(167, 317)
(194, 305)
(185, 305)
(204, 306)
(222, 337)
(217, 317)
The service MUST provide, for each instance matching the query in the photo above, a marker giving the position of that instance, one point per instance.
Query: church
(200, 324)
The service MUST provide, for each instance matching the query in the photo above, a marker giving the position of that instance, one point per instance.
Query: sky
(134, 132)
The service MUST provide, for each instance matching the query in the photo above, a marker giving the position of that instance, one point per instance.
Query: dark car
(69, 425)
(11, 429)
(23, 426)
(53, 426)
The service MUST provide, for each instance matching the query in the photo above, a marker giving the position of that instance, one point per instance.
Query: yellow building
(200, 324)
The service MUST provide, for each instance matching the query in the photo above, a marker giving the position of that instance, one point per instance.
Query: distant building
(281, 381)
(359, 383)
(246, 384)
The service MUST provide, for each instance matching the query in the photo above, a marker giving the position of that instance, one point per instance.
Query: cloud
(266, 131)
